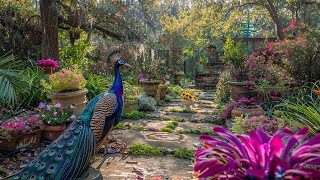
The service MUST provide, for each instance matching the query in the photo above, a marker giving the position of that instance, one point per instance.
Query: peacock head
(121, 62)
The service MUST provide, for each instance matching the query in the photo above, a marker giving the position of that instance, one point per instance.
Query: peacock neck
(117, 87)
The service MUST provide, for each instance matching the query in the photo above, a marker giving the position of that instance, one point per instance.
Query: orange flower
(316, 91)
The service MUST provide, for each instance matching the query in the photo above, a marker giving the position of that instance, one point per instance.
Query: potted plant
(150, 87)
(66, 87)
(20, 132)
(234, 57)
(164, 87)
(54, 119)
(131, 93)
(188, 100)
(242, 107)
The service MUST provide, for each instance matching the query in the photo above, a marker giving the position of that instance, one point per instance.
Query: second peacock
(68, 156)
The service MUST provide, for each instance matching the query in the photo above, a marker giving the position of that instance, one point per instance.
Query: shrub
(258, 155)
(147, 103)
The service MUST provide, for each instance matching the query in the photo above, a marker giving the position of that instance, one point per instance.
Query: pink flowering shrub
(15, 127)
(246, 124)
(53, 115)
(165, 81)
(64, 80)
(48, 64)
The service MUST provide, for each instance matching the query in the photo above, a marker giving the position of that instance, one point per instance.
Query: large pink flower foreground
(258, 155)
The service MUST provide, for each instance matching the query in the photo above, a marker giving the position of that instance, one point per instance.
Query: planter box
(237, 112)
(76, 98)
(150, 88)
(130, 106)
(25, 140)
(53, 132)
(163, 92)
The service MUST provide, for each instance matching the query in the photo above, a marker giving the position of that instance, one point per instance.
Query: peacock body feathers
(69, 155)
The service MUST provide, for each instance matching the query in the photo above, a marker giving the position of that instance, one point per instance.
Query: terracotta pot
(77, 99)
(150, 88)
(53, 132)
(237, 112)
(163, 92)
(130, 106)
(25, 140)
(238, 89)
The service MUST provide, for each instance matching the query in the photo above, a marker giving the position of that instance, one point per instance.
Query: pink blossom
(270, 46)
(265, 78)
(55, 113)
(293, 23)
(48, 63)
(253, 78)
(275, 98)
(167, 83)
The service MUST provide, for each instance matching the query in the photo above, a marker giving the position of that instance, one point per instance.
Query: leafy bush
(258, 155)
(53, 115)
(174, 90)
(12, 83)
(97, 84)
(246, 124)
(147, 103)
(222, 89)
(184, 153)
(64, 80)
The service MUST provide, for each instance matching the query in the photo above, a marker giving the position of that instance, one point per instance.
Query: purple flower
(42, 105)
(141, 77)
(58, 105)
(55, 113)
(167, 83)
(73, 117)
(243, 100)
(48, 107)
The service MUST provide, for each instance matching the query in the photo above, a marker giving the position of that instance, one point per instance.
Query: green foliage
(233, 52)
(303, 109)
(222, 91)
(183, 110)
(120, 125)
(168, 98)
(147, 103)
(12, 83)
(195, 131)
(165, 129)
(131, 91)
(76, 54)
(174, 90)
(136, 115)
(97, 84)
(184, 153)
(145, 149)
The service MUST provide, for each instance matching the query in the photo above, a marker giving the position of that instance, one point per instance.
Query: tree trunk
(49, 20)
(275, 18)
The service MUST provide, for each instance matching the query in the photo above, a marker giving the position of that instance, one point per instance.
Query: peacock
(68, 156)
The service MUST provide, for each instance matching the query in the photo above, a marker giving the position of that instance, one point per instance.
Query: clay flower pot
(163, 92)
(238, 89)
(237, 112)
(130, 106)
(25, 140)
(150, 88)
(77, 99)
(53, 132)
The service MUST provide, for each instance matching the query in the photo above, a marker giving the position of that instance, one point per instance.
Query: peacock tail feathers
(65, 158)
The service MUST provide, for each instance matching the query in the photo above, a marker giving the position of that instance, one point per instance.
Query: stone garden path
(123, 166)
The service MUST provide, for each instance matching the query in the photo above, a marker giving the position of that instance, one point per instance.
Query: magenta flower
(270, 46)
(58, 105)
(258, 155)
(42, 105)
(141, 77)
(48, 63)
(55, 113)
(275, 98)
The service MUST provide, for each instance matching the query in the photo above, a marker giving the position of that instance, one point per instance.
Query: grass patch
(183, 111)
(184, 153)
(139, 128)
(169, 127)
(195, 131)
(135, 115)
(166, 118)
(148, 150)
(145, 149)
(120, 125)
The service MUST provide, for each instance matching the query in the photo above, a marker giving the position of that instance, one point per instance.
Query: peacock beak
(127, 65)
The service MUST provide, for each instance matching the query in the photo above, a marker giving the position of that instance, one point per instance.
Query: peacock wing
(103, 115)
(65, 158)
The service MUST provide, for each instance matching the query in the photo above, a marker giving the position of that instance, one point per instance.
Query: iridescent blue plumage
(69, 155)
